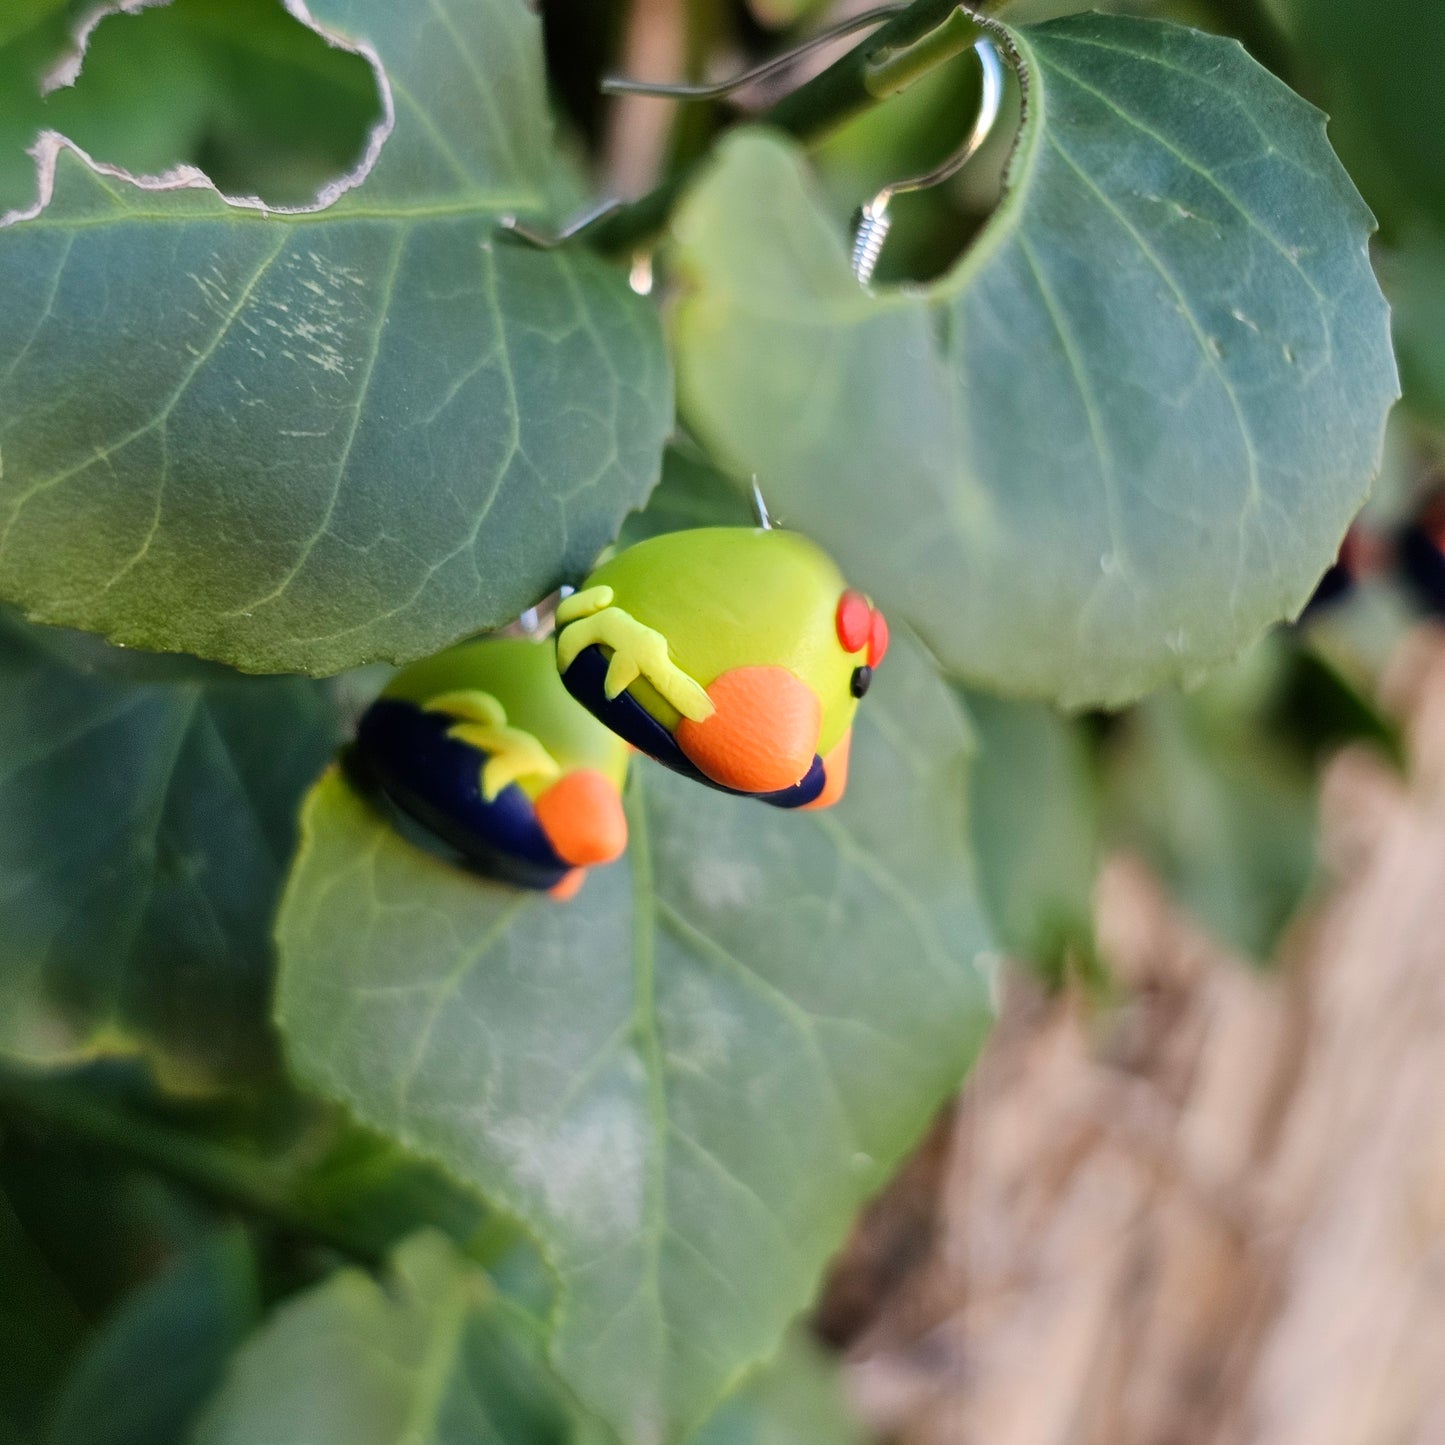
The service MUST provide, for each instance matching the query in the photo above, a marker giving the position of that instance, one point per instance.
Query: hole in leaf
(32, 37)
(239, 88)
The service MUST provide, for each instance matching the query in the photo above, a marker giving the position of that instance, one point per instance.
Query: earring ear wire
(760, 508)
(719, 90)
(874, 221)
(550, 240)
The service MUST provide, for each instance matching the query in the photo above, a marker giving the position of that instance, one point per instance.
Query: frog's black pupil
(862, 677)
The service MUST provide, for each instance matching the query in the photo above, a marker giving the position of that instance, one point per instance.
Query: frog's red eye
(855, 619)
(877, 639)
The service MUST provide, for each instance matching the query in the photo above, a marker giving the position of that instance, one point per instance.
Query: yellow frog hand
(637, 651)
(470, 705)
(511, 753)
(586, 603)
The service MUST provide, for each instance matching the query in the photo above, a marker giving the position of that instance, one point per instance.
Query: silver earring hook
(874, 222)
(623, 85)
(550, 240)
(865, 20)
(760, 507)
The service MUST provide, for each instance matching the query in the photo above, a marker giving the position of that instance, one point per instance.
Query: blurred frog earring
(874, 220)
(483, 750)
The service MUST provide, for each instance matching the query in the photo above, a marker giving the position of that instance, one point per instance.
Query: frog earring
(483, 748)
(735, 656)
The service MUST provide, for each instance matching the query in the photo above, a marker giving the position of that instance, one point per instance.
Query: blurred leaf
(781, 13)
(102, 1228)
(366, 1186)
(1415, 275)
(686, 1080)
(146, 830)
(145, 1377)
(22, 16)
(1127, 431)
(1356, 642)
(304, 442)
(40, 1327)
(1378, 68)
(1205, 788)
(431, 1358)
(796, 1400)
(1277, 11)
(1329, 698)
(144, 99)
(692, 493)
(75, 1238)
(32, 38)
(295, 1164)
(1034, 821)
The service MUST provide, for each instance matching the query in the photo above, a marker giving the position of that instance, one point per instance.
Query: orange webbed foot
(568, 887)
(763, 734)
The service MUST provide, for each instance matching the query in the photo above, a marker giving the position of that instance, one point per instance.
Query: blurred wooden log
(1214, 1214)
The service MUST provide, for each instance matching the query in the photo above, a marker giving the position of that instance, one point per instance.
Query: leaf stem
(893, 69)
(251, 1187)
(845, 89)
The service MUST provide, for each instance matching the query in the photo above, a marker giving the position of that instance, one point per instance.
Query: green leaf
(147, 826)
(1126, 431)
(1377, 68)
(1330, 695)
(1415, 275)
(1034, 821)
(22, 16)
(297, 1164)
(692, 493)
(796, 1400)
(146, 1375)
(366, 1188)
(32, 39)
(685, 1081)
(779, 13)
(431, 1358)
(300, 442)
(100, 1226)
(1207, 789)
(40, 1327)
(76, 1236)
